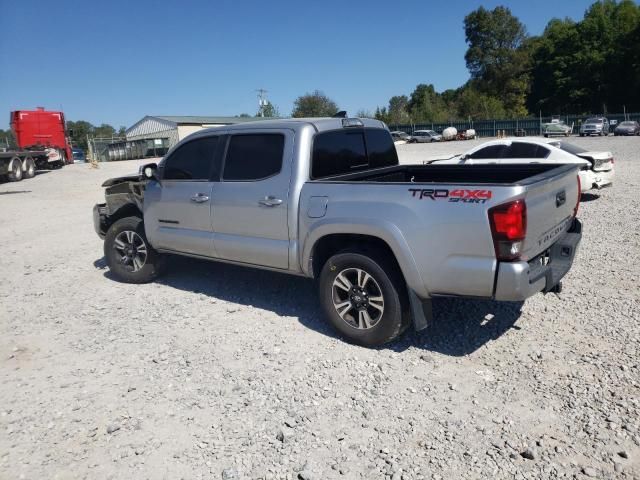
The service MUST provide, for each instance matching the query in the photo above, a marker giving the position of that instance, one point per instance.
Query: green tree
(315, 104)
(399, 109)
(589, 66)
(78, 132)
(104, 131)
(498, 56)
(476, 105)
(7, 139)
(425, 105)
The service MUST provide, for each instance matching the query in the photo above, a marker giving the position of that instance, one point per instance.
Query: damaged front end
(124, 197)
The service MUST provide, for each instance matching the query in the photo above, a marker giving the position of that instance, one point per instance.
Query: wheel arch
(125, 210)
(326, 240)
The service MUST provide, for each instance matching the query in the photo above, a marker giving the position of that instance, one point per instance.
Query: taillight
(575, 210)
(508, 229)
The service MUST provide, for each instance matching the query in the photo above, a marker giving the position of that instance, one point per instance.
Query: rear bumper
(517, 281)
(595, 179)
(100, 219)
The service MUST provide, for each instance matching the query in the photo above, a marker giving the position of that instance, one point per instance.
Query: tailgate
(551, 199)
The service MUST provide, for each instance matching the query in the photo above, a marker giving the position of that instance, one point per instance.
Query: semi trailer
(42, 143)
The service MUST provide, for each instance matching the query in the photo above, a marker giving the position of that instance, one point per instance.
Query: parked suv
(595, 126)
(425, 136)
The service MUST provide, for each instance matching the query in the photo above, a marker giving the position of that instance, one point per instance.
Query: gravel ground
(224, 372)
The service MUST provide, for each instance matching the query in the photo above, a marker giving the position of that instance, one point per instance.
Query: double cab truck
(42, 143)
(327, 199)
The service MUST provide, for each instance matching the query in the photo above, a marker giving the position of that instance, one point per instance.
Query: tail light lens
(508, 229)
(575, 210)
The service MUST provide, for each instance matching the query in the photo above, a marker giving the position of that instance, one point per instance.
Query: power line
(262, 101)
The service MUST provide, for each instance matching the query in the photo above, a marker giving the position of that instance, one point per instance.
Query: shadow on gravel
(589, 197)
(459, 327)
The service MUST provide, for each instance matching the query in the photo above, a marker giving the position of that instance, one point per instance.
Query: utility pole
(262, 101)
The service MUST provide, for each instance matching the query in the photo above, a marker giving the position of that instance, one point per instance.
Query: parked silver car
(595, 126)
(425, 136)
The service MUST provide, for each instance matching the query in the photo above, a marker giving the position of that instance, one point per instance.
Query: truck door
(177, 210)
(250, 204)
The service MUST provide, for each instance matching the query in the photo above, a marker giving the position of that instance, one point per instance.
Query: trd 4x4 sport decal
(458, 195)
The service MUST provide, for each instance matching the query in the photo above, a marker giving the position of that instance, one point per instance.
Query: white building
(154, 135)
(175, 128)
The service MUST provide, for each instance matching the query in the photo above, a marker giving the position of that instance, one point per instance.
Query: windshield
(628, 124)
(593, 120)
(568, 147)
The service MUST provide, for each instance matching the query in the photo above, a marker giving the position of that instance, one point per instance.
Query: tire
(385, 318)
(29, 167)
(118, 242)
(15, 170)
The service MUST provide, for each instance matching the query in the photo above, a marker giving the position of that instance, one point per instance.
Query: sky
(115, 62)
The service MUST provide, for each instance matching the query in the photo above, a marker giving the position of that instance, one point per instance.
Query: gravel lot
(225, 372)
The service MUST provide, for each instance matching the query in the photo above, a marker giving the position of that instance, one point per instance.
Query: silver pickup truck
(327, 199)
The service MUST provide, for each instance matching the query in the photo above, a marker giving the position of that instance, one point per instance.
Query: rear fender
(381, 229)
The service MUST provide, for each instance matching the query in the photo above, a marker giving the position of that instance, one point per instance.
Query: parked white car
(597, 171)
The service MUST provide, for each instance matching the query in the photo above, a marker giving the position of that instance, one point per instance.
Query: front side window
(192, 160)
(253, 156)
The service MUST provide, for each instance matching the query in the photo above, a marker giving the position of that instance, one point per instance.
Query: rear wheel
(29, 168)
(15, 170)
(129, 255)
(364, 297)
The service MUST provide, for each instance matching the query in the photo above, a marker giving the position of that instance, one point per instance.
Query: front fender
(382, 229)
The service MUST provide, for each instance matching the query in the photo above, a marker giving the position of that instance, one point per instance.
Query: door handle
(200, 198)
(270, 201)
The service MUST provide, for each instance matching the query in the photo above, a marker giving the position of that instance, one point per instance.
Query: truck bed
(518, 174)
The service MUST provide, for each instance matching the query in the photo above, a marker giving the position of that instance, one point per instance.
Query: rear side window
(253, 157)
(525, 150)
(492, 151)
(380, 148)
(347, 151)
(191, 161)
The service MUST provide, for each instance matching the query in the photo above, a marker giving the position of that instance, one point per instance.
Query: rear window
(347, 151)
(568, 147)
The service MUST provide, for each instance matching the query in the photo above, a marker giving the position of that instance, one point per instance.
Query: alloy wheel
(131, 250)
(357, 298)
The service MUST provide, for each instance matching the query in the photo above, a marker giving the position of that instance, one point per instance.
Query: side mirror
(150, 171)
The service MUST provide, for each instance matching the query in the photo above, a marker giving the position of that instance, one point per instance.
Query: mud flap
(421, 311)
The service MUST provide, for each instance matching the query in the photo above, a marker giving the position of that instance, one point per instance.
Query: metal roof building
(154, 135)
(171, 128)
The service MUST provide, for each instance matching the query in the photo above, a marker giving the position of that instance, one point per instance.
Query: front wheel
(364, 297)
(129, 255)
